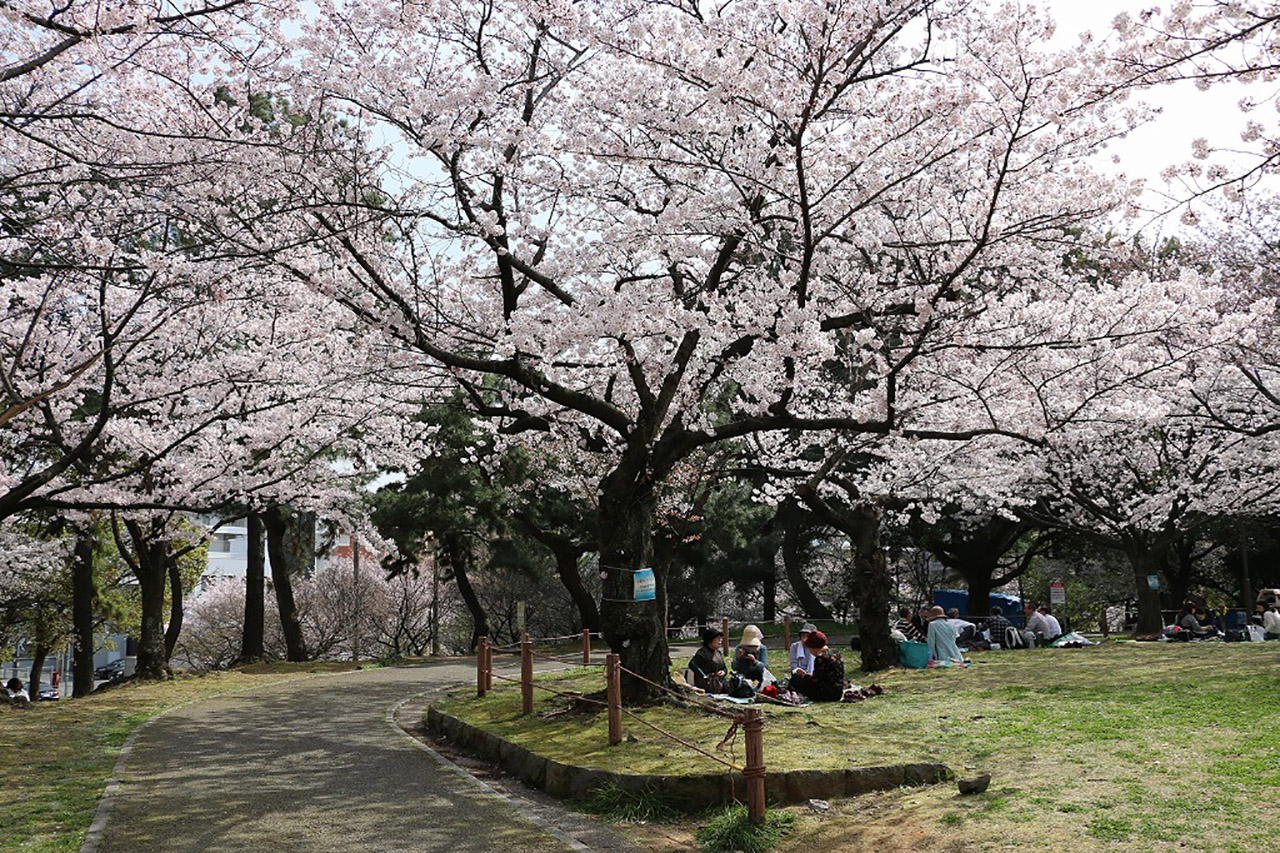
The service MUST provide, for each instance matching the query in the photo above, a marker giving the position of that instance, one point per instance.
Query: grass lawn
(58, 756)
(1125, 747)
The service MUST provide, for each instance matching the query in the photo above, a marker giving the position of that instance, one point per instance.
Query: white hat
(751, 636)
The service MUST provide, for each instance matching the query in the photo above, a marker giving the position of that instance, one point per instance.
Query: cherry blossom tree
(600, 218)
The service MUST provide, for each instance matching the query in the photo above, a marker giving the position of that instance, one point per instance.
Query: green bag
(913, 655)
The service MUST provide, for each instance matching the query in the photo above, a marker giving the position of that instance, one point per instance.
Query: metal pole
(526, 675)
(586, 647)
(482, 665)
(355, 618)
(613, 693)
(753, 770)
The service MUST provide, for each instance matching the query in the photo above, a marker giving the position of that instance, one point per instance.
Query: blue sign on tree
(646, 585)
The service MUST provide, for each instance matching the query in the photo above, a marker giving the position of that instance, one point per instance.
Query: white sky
(1186, 112)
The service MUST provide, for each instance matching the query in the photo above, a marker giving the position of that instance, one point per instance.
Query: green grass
(731, 831)
(622, 806)
(59, 755)
(1120, 747)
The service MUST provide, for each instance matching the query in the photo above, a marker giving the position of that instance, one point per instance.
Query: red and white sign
(1057, 592)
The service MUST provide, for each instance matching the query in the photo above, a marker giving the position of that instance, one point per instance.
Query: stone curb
(692, 792)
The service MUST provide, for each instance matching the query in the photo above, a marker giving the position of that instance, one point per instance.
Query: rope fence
(750, 720)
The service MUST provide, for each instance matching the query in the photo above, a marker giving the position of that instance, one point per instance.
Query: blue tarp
(1010, 605)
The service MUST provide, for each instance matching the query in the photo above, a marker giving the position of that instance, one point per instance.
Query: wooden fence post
(586, 647)
(488, 664)
(613, 674)
(753, 770)
(786, 633)
(724, 629)
(482, 666)
(526, 675)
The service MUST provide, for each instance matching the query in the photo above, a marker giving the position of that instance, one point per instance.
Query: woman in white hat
(751, 658)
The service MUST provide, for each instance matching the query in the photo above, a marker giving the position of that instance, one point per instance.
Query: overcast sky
(1187, 113)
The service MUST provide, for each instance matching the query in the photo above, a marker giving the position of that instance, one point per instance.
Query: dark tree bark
(149, 563)
(459, 554)
(291, 542)
(251, 638)
(976, 554)
(567, 569)
(792, 545)
(84, 593)
(567, 553)
(873, 586)
(770, 591)
(37, 670)
(1145, 557)
(634, 630)
(174, 628)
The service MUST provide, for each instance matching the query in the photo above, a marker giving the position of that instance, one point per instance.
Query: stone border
(691, 792)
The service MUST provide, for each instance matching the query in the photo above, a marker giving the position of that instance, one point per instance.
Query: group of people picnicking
(815, 670)
(945, 632)
(1198, 622)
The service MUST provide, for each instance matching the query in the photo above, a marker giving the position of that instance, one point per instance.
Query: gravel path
(314, 766)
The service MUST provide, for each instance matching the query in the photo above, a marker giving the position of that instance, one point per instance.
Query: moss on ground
(1126, 747)
(59, 755)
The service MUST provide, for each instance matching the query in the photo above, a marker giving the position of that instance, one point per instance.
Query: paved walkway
(313, 766)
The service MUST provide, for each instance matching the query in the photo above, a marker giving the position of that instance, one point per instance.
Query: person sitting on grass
(907, 626)
(921, 620)
(707, 664)
(826, 683)
(801, 657)
(1271, 623)
(1051, 622)
(16, 691)
(751, 658)
(1190, 626)
(1037, 628)
(965, 630)
(998, 628)
(942, 640)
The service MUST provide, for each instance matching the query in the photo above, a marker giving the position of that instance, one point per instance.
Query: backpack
(1013, 638)
(738, 687)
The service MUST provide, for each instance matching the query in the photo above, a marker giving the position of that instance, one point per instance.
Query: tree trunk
(1246, 585)
(874, 586)
(791, 546)
(567, 569)
(861, 524)
(1145, 562)
(459, 559)
(291, 540)
(1182, 570)
(770, 590)
(979, 585)
(635, 630)
(251, 638)
(175, 607)
(149, 566)
(83, 595)
(37, 671)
